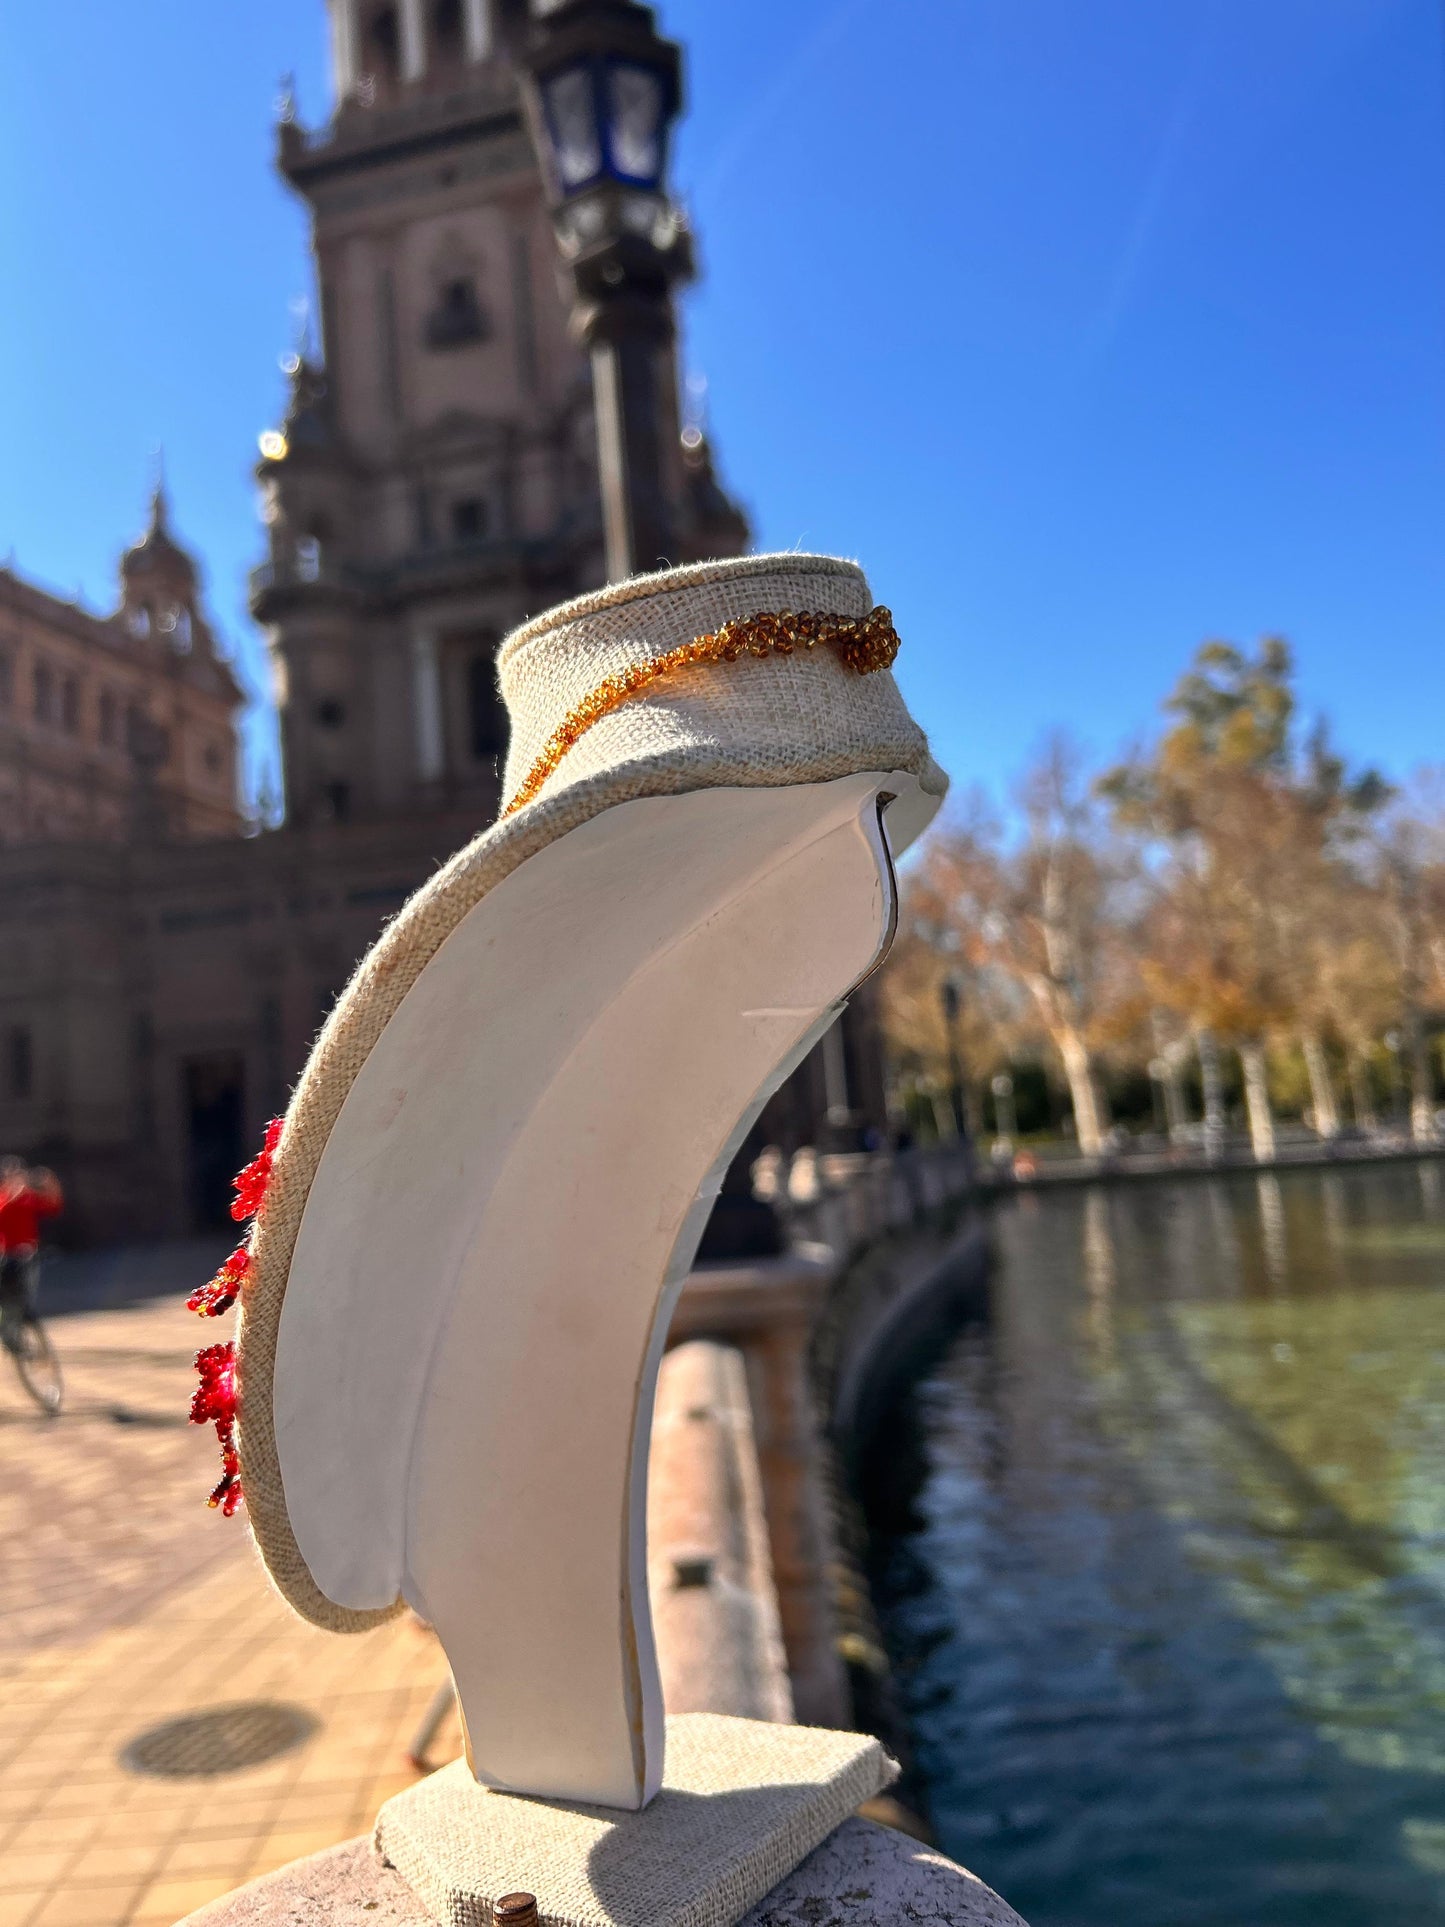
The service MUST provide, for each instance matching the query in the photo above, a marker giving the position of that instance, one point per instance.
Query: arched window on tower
(70, 705)
(513, 20)
(469, 519)
(140, 620)
(486, 728)
(175, 626)
(309, 551)
(44, 693)
(447, 36)
(456, 315)
(382, 45)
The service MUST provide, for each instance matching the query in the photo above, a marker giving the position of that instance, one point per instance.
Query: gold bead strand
(864, 644)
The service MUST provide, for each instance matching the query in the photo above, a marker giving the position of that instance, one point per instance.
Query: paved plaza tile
(124, 1604)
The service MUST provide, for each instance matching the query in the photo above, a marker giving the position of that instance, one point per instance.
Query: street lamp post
(602, 89)
(951, 995)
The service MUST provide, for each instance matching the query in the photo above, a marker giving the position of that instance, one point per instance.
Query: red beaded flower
(218, 1294)
(251, 1183)
(214, 1403)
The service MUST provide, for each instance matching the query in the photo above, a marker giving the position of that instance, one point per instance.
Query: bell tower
(434, 480)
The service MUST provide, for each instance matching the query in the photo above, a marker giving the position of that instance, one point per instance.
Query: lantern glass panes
(571, 106)
(635, 122)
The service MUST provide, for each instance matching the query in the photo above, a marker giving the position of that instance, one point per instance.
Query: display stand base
(743, 1803)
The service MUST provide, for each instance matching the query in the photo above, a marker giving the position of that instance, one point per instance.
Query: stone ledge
(768, 1308)
(863, 1875)
(710, 1572)
(753, 1294)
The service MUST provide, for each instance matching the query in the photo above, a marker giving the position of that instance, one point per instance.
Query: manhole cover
(224, 1740)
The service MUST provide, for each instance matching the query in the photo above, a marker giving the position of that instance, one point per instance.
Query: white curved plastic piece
(504, 1213)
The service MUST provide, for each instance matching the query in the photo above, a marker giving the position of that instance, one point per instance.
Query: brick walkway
(124, 1603)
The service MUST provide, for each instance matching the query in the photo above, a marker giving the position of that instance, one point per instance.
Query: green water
(1160, 1556)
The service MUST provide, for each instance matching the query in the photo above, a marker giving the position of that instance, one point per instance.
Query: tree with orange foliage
(1243, 830)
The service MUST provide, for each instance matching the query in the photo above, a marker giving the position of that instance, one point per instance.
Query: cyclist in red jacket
(26, 1198)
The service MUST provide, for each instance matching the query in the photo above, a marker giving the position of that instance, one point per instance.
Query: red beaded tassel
(251, 1183)
(215, 1398)
(214, 1403)
(218, 1294)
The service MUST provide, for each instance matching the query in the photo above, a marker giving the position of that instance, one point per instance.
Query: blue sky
(1092, 331)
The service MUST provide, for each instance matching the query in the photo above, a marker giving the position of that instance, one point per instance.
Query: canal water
(1159, 1556)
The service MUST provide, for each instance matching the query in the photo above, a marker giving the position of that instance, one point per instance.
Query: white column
(477, 26)
(835, 1073)
(413, 39)
(343, 46)
(426, 698)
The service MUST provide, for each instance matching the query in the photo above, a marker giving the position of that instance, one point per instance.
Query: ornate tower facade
(435, 479)
(122, 725)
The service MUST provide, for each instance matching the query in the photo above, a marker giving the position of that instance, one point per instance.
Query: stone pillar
(343, 46)
(426, 688)
(413, 39)
(477, 29)
(835, 1073)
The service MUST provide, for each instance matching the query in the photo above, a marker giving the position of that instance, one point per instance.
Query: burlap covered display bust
(496, 1165)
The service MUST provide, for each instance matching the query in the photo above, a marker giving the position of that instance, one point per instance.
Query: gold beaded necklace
(862, 643)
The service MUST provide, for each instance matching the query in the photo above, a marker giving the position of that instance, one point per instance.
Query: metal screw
(515, 1910)
(692, 1569)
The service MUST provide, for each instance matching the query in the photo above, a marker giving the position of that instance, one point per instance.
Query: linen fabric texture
(742, 1804)
(757, 722)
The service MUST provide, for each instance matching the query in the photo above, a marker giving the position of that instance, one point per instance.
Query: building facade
(116, 725)
(432, 483)
(435, 480)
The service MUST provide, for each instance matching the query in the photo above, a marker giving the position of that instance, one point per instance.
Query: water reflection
(1163, 1562)
(1272, 1229)
(1100, 1276)
(1431, 1189)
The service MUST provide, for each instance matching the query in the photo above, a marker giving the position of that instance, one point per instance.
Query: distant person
(12, 1176)
(27, 1197)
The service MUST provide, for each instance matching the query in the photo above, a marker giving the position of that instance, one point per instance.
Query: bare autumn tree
(1243, 826)
(1343, 990)
(926, 956)
(1407, 864)
(1042, 911)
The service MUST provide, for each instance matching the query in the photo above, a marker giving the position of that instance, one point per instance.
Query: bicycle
(26, 1340)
